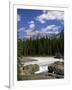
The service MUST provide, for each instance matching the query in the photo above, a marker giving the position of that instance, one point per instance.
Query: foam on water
(43, 63)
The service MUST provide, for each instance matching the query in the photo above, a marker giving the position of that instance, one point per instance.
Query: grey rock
(56, 68)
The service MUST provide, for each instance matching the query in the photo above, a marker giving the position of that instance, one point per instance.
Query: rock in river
(29, 69)
(56, 68)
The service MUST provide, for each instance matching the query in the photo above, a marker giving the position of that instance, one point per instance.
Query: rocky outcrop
(58, 55)
(56, 68)
(29, 69)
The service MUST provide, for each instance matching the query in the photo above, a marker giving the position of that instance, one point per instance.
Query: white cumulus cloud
(51, 29)
(31, 30)
(55, 15)
(50, 15)
(32, 26)
(21, 29)
(31, 22)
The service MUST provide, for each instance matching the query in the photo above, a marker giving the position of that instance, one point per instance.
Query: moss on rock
(27, 71)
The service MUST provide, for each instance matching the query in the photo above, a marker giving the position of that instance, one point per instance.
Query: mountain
(51, 35)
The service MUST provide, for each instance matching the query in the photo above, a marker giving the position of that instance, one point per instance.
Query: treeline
(41, 47)
(20, 47)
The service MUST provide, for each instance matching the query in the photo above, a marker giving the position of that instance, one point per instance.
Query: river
(43, 62)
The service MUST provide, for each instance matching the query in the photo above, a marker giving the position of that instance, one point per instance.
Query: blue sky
(33, 22)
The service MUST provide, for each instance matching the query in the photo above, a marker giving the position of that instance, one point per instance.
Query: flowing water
(43, 62)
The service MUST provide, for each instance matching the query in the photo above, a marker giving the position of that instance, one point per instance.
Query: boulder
(56, 68)
(58, 55)
(29, 69)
